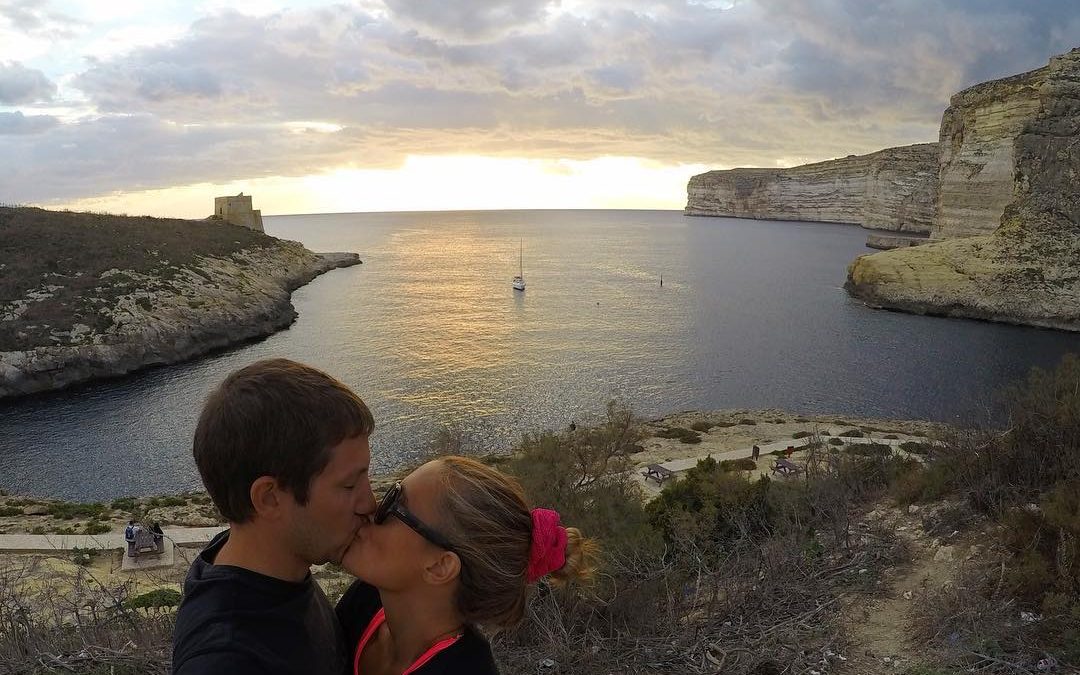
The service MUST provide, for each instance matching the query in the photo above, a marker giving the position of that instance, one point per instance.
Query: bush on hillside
(684, 435)
(743, 464)
(70, 511)
(703, 426)
(801, 434)
(714, 508)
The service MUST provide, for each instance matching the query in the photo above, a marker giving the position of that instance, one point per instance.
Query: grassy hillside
(55, 265)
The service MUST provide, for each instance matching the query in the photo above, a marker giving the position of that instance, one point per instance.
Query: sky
(140, 107)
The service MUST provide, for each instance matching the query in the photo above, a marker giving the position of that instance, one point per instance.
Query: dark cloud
(673, 80)
(20, 85)
(17, 123)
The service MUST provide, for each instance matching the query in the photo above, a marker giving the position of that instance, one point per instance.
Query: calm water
(429, 332)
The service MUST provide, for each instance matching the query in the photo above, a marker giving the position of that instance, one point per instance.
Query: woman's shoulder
(355, 609)
(471, 654)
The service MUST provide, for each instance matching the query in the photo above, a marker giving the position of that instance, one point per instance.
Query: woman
(451, 547)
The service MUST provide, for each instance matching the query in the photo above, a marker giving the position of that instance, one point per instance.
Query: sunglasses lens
(386, 503)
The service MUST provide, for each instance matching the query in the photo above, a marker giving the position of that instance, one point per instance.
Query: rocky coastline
(129, 319)
(996, 194)
(892, 189)
(1007, 241)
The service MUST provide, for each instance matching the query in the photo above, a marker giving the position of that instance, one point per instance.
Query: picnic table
(658, 473)
(785, 467)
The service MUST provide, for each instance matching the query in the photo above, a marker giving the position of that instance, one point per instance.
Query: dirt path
(880, 628)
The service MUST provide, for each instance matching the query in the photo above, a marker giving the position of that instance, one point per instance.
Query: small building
(237, 211)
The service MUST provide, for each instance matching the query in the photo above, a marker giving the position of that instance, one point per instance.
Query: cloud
(470, 19)
(752, 83)
(17, 123)
(33, 17)
(20, 85)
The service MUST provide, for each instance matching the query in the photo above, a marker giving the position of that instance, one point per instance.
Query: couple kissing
(283, 450)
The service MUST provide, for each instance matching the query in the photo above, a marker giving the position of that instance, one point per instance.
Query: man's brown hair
(274, 418)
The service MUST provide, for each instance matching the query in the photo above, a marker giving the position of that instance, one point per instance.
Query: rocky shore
(1007, 239)
(68, 330)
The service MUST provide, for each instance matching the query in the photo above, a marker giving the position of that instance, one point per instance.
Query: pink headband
(547, 552)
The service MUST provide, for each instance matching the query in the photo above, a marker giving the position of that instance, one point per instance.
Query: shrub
(684, 435)
(851, 433)
(126, 504)
(801, 434)
(747, 421)
(869, 449)
(920, 484)
(825, 432)
(83, 556)
(892, 437)
(713, 508)
(167, 501)
(586, 476)
(802, 420)
(725, 425)
(916, 448)
(10, 511)
(743, 464)
(835, 441)
(69, 511)
(159, 598)
(701, 426)
(94, 527)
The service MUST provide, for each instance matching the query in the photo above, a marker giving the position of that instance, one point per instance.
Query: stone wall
(892, 189)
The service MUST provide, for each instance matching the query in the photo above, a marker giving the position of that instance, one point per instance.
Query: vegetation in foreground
(722, 574)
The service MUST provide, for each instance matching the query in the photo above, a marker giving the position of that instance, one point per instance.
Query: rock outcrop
(887, 242)
(892, 189)
(1018, 142)
(161, 319)
(977, 139)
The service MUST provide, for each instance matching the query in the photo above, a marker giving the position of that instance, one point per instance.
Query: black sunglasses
(390, 505)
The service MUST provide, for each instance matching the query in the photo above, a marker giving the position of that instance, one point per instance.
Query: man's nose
(365, 502)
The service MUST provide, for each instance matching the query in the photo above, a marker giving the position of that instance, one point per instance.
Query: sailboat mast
(521, 254)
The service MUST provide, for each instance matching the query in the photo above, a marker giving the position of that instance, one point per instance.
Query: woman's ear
(443, 569)
(265, 497)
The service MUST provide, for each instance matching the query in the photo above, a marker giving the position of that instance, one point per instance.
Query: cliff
(892, 189)
(85, 296)
(977, 139)
(1021, 267)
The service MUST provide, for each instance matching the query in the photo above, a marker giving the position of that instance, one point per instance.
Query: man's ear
(443, 570)
(267, 497)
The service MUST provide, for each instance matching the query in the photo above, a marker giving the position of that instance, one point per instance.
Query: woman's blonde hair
(487, 518)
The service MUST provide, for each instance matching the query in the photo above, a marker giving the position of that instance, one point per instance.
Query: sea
(661, 311)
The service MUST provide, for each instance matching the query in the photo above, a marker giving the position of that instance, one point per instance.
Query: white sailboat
(519, 280)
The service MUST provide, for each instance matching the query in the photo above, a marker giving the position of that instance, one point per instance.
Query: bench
(658, 473)
(785, 467)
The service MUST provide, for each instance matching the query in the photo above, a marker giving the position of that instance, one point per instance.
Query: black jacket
(239, 622)
(471, 655)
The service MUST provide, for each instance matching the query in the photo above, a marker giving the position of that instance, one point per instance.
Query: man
(283, 451)
(129, 537)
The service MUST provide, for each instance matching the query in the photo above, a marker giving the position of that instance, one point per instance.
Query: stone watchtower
(237, 211)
